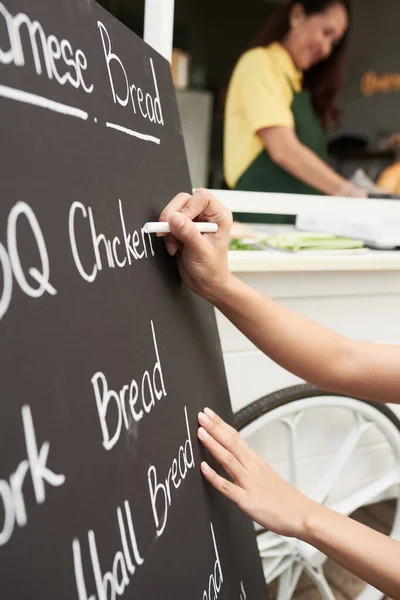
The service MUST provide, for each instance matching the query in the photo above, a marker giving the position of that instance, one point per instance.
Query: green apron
(263, 175)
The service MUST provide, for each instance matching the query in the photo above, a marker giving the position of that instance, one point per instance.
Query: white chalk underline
(27, 97)
(141, 136)
(65, 109)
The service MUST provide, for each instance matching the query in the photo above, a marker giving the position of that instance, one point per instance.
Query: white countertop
(272, 261)
(299, 204)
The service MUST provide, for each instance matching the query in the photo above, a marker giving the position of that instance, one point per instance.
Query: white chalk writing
(117, 253)
(148, 106)
(160, 491)
(56, 54)
(242, 592)
(10, 260)
(12, 492)
(216, 578)
(126, 560)
(149, 391)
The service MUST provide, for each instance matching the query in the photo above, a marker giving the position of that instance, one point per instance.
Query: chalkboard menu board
(106, 358)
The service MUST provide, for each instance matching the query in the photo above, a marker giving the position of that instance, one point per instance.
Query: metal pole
(159, 26)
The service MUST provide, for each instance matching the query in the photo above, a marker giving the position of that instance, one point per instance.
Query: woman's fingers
(228, 489)
(227, 436)
(223, 456)
(202, 205)
(176, 204)
(185, 231)
(171, 242)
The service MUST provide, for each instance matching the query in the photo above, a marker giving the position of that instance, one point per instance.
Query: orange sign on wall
(372, 83)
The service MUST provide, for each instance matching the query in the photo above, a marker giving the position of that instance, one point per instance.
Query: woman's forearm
(370, 555)
(303, 347)
(304, 164)
(291, 155)
(277, 506)
(299, 345)
(309, 350)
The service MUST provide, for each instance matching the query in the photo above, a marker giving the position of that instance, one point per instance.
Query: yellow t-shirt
(260, 95)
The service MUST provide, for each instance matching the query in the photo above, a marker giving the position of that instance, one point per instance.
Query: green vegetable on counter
(239, 245)
(299, 241)
(302, 241)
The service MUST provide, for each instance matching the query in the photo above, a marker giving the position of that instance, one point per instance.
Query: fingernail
(171, 248)
(209, 412)
(202, 433)
(176, 220)
(160, 234)
(203, 419)
(205, 468)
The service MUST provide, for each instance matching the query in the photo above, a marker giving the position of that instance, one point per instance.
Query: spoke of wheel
(291, 423)
(368, 591)
(269, 540)
(273, 568)
(328, 481)
(318, 577)
(288, 581)
(284, 584)
(271, 545)
(367, 494)
(274, 553)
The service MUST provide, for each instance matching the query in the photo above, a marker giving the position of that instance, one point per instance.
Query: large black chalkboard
(106, 357)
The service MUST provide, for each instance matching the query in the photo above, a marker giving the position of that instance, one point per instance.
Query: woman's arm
(276, 505)
(309, 350)
(301, 346)
(286, 150)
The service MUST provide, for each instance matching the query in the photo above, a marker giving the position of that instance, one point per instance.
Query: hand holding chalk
(202, 259)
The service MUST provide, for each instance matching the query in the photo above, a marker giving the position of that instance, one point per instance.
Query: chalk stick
(161, 227)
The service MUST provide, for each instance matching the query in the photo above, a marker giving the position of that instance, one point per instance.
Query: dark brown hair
(325, 79)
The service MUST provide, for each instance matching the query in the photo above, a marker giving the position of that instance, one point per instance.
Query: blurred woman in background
(282, 100)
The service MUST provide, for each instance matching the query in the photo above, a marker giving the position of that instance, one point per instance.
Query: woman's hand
(257, 489)
(289, 153)
(279, 507)
(349, 190)
(202, 258)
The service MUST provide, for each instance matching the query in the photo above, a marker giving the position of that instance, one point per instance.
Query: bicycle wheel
(342, 452)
